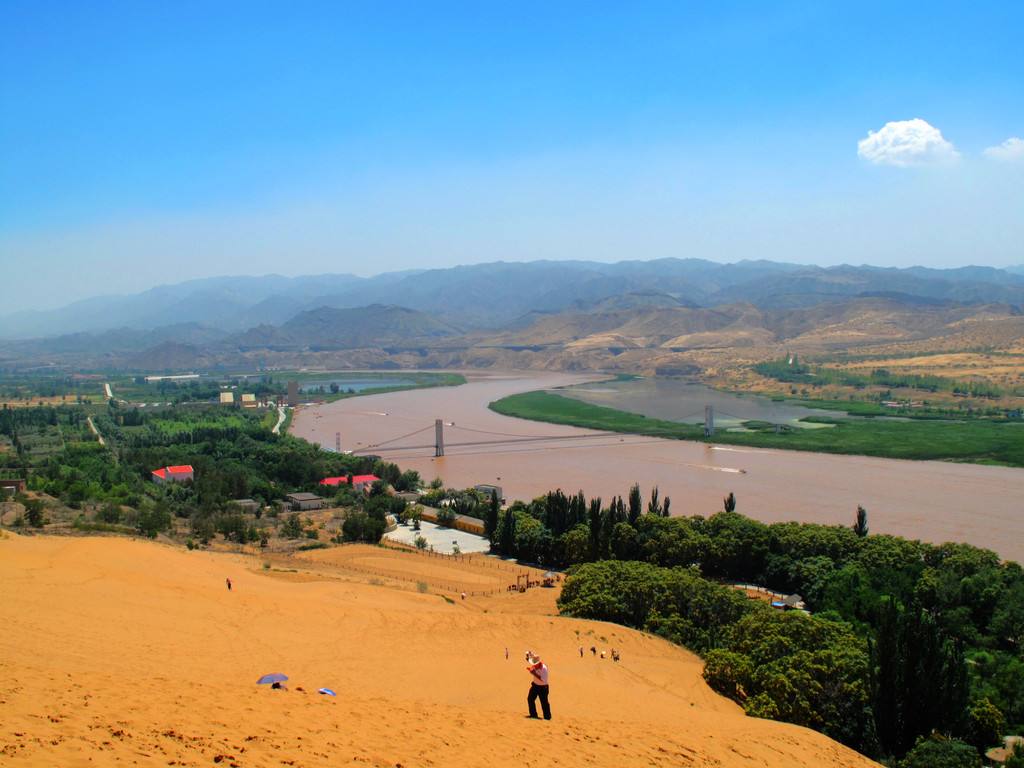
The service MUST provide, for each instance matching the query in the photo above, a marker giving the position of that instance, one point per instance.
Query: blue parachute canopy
(273, 677)
(327, 692)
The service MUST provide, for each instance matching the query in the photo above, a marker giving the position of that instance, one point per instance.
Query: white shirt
(540, 674)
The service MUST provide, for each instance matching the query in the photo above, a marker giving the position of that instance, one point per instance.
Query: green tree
(595, 522)
(729, 503)
(635, 504)
(985, 725)
(34, 512)
(860, 527)
(408, 481)
(576, 545)
(232, 527)
(528, 535)
(729, 673)
(359, 526)
(919, 678)
(507, 533)
(109, 513)
(446, 517)
(292, 527)
(154, 519)
(654, 506)
(202, 527)
(491, 518)
(625, 544)
(940, 752)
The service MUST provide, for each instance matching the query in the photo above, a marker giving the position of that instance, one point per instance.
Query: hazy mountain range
(654, 315)
(490, 296)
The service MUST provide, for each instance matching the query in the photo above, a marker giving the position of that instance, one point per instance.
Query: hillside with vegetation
(892, 622)
(902, 639)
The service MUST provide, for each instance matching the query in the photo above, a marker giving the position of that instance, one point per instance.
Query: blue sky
(143, 143)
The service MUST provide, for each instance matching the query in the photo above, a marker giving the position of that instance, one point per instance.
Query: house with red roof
(359, 482)
(179, 474)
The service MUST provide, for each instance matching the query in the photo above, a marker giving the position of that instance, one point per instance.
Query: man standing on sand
(228, 583)
(538, 687)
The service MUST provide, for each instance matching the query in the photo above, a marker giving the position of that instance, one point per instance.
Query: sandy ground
(120, 652)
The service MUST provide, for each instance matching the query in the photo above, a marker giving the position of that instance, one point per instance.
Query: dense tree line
(919, 637)
(234, 456)
(796, 372)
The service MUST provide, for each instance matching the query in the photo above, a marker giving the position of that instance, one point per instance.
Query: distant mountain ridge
(328, 328)
(495, 295)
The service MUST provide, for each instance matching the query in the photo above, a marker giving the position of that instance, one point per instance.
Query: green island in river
(973, 439)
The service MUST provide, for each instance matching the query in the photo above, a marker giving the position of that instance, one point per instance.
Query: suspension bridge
(471, 438)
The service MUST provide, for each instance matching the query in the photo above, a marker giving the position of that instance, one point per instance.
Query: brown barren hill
(127, 652)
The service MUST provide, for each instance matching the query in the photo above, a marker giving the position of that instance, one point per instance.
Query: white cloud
(1010, 151)
(906, 142)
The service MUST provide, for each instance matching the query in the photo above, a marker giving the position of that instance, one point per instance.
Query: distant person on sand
(538, 686)
(228, 581)
(463, 595)
(506, 653)
(593, 651)
(581, 651)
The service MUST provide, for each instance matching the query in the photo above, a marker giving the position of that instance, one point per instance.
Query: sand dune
(129, 652)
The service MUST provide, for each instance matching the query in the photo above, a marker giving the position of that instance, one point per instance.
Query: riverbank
(935, 501)
(362, 379)
(981, 441)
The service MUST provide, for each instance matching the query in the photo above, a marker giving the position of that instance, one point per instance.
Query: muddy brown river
(929, 500)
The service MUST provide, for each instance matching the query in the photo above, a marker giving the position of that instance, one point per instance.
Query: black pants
(542, 691)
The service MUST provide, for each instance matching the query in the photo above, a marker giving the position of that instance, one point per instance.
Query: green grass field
(977, 440)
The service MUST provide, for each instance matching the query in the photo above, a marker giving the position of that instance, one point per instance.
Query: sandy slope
(128, 652)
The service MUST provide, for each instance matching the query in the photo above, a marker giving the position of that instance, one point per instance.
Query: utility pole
(709, 420)
(438, 437)
(337, 442)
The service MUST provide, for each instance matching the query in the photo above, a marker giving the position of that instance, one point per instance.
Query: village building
(359, 482)
(303, 501)
(250, 506)
(465, 523)
(179, 474)
(490, 490)
(12, 485)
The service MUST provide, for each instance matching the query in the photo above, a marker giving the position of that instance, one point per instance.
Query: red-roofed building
(179, 474)
(359, 482)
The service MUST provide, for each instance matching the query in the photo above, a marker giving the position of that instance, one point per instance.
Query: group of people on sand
(534, 665)
(593, 651)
